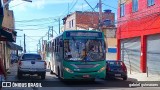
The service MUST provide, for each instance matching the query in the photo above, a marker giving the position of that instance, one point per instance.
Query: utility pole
(100, 15)
(24, 43)
(59, 26)
(20, 43)
(48, 32)
(52, 30)
(40, 45)
(37, 48)
(82, 7)
(68, 8)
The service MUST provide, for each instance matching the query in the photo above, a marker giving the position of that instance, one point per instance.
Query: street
(52, 82)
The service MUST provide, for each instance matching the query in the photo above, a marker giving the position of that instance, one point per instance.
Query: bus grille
(85, 65)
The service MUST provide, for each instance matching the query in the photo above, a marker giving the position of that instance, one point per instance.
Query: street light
(17, 29)
(58, 20)
(11, 0)
(27, 0)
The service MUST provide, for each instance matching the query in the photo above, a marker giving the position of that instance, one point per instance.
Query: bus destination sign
(84, 34)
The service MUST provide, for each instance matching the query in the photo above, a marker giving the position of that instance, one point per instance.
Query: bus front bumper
(78, 75)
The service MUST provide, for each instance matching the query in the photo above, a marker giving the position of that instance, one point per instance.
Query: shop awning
(1, 15)
(8, 36)
(13, 46)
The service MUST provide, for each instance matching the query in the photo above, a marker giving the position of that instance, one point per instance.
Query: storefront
(153, 54)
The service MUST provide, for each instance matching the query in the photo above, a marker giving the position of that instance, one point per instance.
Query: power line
(31, 38)
(31, 29)
(17, 5)
(145, 28)
(73, 5)
(89, 5)
(109, 6)
(37, 20)
(67, 8)
(34, 24)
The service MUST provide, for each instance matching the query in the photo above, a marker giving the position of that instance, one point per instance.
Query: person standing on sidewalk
(2, 73)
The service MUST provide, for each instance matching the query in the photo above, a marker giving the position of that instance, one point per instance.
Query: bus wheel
(58, 73)
(51, 72)
(93, 79)
(49, 65)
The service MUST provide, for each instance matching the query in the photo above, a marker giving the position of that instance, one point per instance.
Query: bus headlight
(103, 68)
(68, 70)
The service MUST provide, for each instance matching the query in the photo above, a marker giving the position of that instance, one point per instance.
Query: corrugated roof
(13, 46)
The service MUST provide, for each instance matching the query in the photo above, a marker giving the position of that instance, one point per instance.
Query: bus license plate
(117, 75)
(86, 76)
(32, 70)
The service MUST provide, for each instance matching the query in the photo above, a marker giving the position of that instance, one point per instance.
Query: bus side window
(55, 45)
(61, 43)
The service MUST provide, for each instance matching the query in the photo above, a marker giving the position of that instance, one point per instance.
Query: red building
(85, 20)
(138, 34)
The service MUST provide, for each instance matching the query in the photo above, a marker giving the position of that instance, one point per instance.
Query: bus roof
(66, 31)
(81, 31)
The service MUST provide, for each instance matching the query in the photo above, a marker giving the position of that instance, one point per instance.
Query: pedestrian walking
(2, 73)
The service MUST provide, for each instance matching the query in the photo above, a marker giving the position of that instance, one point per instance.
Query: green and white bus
(78, 55)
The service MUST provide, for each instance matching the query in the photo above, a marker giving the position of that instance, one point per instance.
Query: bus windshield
(84, 50)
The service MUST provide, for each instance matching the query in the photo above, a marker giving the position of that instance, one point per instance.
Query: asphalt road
(53, 83)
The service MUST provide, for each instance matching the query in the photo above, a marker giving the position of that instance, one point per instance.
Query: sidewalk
(143, 76)
(111, 56)
(13, 72)
(135, 75)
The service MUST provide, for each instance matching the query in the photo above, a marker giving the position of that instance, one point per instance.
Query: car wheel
(124, 78)
(43, 76)
(19, 75)
(107, 77)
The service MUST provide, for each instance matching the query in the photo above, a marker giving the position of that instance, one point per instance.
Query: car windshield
(31, 57)
(115, 64)
(84, 50)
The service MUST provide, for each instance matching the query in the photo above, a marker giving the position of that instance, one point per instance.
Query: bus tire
(93, 79)
(51, 72)
(49, 66)
(58, 73)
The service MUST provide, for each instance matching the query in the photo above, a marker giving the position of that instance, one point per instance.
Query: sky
(36, 17)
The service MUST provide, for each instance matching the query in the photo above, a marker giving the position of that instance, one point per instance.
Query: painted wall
(86, 20)
(68, 22)
(8, 20)
(146, 21)
(143, 22)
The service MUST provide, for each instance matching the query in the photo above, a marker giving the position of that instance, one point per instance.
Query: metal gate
(130, 53)
(153, 54)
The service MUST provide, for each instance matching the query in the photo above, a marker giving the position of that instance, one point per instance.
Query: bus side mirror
(1, 9)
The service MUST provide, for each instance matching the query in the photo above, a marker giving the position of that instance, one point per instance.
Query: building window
(69, 24)
(122, 8)
(150, 2)
(135, 5)
(72, 23)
